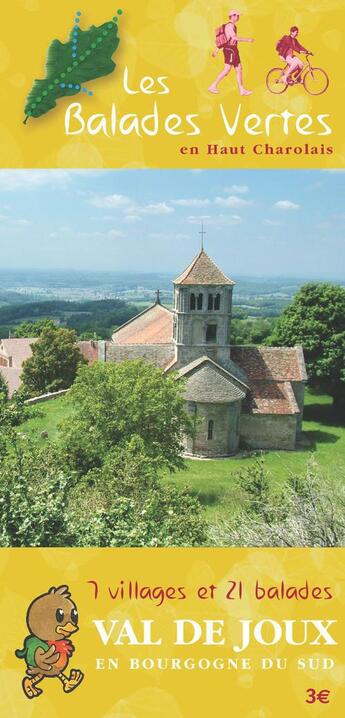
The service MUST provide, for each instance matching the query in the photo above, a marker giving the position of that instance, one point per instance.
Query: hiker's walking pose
(227, 40)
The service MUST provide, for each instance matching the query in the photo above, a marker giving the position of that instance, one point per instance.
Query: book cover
(172, 378)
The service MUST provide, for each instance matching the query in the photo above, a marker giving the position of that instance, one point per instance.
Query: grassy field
(212, 480)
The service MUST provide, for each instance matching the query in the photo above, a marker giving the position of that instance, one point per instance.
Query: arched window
(200, 298)
(192, 301)
(217, 302)
(211, 333)
(210, 301)
(210, 430)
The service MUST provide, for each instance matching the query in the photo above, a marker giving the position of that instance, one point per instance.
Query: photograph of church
(242, 397)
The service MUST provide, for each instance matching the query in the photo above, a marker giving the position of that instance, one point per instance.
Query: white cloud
(168, 236)
(237, 189)
(72, 235)
(191, 202)
(132, 218)
(128, 206)
(10, 224)
(156, 208)
(19, 180)
(197, 219)
(231, 201)
(224, 219)
(286, 205)
(111, 201)
(219, 220)
(272, 222)
(19, 223)
(115, 234)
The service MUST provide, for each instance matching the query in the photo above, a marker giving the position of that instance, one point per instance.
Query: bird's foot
(75, 678)
(30, 689)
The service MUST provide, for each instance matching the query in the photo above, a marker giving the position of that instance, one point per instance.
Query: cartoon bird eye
(59, 615)
(74, 616)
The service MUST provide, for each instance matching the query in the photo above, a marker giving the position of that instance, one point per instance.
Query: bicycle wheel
(273, 83)
(315, 81)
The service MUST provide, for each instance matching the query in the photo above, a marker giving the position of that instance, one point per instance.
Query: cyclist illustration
(286, 47)
(227, 40)
(314, 79)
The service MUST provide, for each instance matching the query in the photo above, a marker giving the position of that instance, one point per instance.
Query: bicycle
(314, 79)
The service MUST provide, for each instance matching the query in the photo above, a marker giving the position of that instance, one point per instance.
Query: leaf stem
(26, 119)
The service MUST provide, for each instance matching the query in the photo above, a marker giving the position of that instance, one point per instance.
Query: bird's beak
(67, 629)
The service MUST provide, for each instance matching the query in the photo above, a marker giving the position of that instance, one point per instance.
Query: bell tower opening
(211, 333)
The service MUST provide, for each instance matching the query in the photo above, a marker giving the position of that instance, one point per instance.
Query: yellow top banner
(174, 84)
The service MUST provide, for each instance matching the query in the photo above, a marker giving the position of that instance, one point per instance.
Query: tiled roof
(272, 397)
(207, 382)
(89, 350)
(161, 355)
(12, 377)
(203, 270)
(153, 326)
(270, 363)
(18, 349)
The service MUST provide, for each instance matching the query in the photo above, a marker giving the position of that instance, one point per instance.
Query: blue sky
(258, 222)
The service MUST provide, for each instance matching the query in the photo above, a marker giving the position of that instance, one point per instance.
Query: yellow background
(173, 38)
(25, 573)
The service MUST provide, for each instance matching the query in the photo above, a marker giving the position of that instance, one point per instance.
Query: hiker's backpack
(221, 38)
(281, 45)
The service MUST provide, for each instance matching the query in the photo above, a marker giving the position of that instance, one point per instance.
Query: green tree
(316, 320)
(42, 503)
(255, 486)
(3, 389)
(54, 362)
(126, 504)
(89, 336)
(33, 496)
(250, 331)
(32, 329)
(113, 402)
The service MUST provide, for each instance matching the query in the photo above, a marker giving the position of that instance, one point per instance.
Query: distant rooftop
(17, 350)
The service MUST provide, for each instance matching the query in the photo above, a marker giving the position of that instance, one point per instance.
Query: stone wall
(158, 354)
(46, 397)
(187, 354)
(261, 431)
(225, 439)
(299, 391)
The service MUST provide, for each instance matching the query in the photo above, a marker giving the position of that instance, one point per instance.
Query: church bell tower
(202, 312)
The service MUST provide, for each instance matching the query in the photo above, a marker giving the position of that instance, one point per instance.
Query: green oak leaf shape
(96, 47)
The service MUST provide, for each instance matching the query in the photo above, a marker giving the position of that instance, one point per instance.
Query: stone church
(242, 397)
